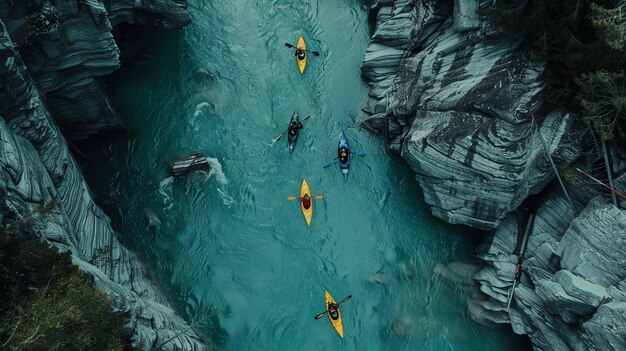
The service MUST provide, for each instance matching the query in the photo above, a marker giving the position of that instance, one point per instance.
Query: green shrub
(566, 34)
(46, 303)
(602, 97)
(610, 24)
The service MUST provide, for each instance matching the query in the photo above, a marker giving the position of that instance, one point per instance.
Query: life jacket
(293, 129)
(300, 54)
(306, 202)
(333, 311)
(341, 152)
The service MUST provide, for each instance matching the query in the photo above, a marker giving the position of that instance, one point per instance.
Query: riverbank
(472, 110)
(52, 59)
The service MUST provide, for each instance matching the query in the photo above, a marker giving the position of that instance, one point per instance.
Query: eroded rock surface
(461, 108)
(572, 292)
(38, 170)
(68, 45)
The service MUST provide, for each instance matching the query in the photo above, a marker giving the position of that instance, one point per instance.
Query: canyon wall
(464, 107)
(52, 55)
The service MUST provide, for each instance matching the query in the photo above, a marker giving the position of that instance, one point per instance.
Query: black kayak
(293, 139)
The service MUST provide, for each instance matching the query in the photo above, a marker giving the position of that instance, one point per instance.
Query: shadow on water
(225, 250)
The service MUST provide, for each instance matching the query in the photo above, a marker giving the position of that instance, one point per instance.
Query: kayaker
(343, 154)
(306, 201)
(294, 127)
(333, 310)
(300, 54)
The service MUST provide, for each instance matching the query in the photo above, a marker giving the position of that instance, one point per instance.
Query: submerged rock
(457, 272)
(152, 220)
(401, 327)
(379, 278)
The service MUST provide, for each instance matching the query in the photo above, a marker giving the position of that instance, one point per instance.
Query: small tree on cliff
(602, 97)
(610, 24)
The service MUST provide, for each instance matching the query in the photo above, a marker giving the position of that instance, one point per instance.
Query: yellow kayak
(306, 205)
(336, 322)
(302, 46)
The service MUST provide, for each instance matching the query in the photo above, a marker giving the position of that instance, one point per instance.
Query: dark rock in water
(168, 14)
(187, 164)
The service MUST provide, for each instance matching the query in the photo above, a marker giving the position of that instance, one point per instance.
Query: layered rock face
(38, 170)
(461, 108)
(68, 45)
(572, 293)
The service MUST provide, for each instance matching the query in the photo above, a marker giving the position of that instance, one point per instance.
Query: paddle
(331, 162)
(293, 47)
(361, 154)
(283, 133)
(290, 198)
(342, 301)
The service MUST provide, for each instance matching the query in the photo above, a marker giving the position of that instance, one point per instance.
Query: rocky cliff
(51, 57)
(464, 107)
(68, 45)
(572, 293)
(461, 108)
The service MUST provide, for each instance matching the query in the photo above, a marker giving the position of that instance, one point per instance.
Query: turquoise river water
(232, 253)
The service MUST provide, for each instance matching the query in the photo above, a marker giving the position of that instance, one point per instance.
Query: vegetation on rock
(602, 97)
(46, 303)
(583, 45)
(610, 24)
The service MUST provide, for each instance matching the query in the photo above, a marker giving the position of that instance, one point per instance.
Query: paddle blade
(315, 53)
(319, 196)
(362, 154)
(320, 315)
(280, 136)
(305, 118)
(288, 45)
(346, 299)
(330, 163)
(290, 198)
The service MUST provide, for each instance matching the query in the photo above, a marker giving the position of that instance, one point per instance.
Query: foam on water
(200, 108)
(165, 189)
(216, 171)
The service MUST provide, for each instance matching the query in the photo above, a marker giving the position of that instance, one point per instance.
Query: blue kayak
(343, 156)
(343, 152)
